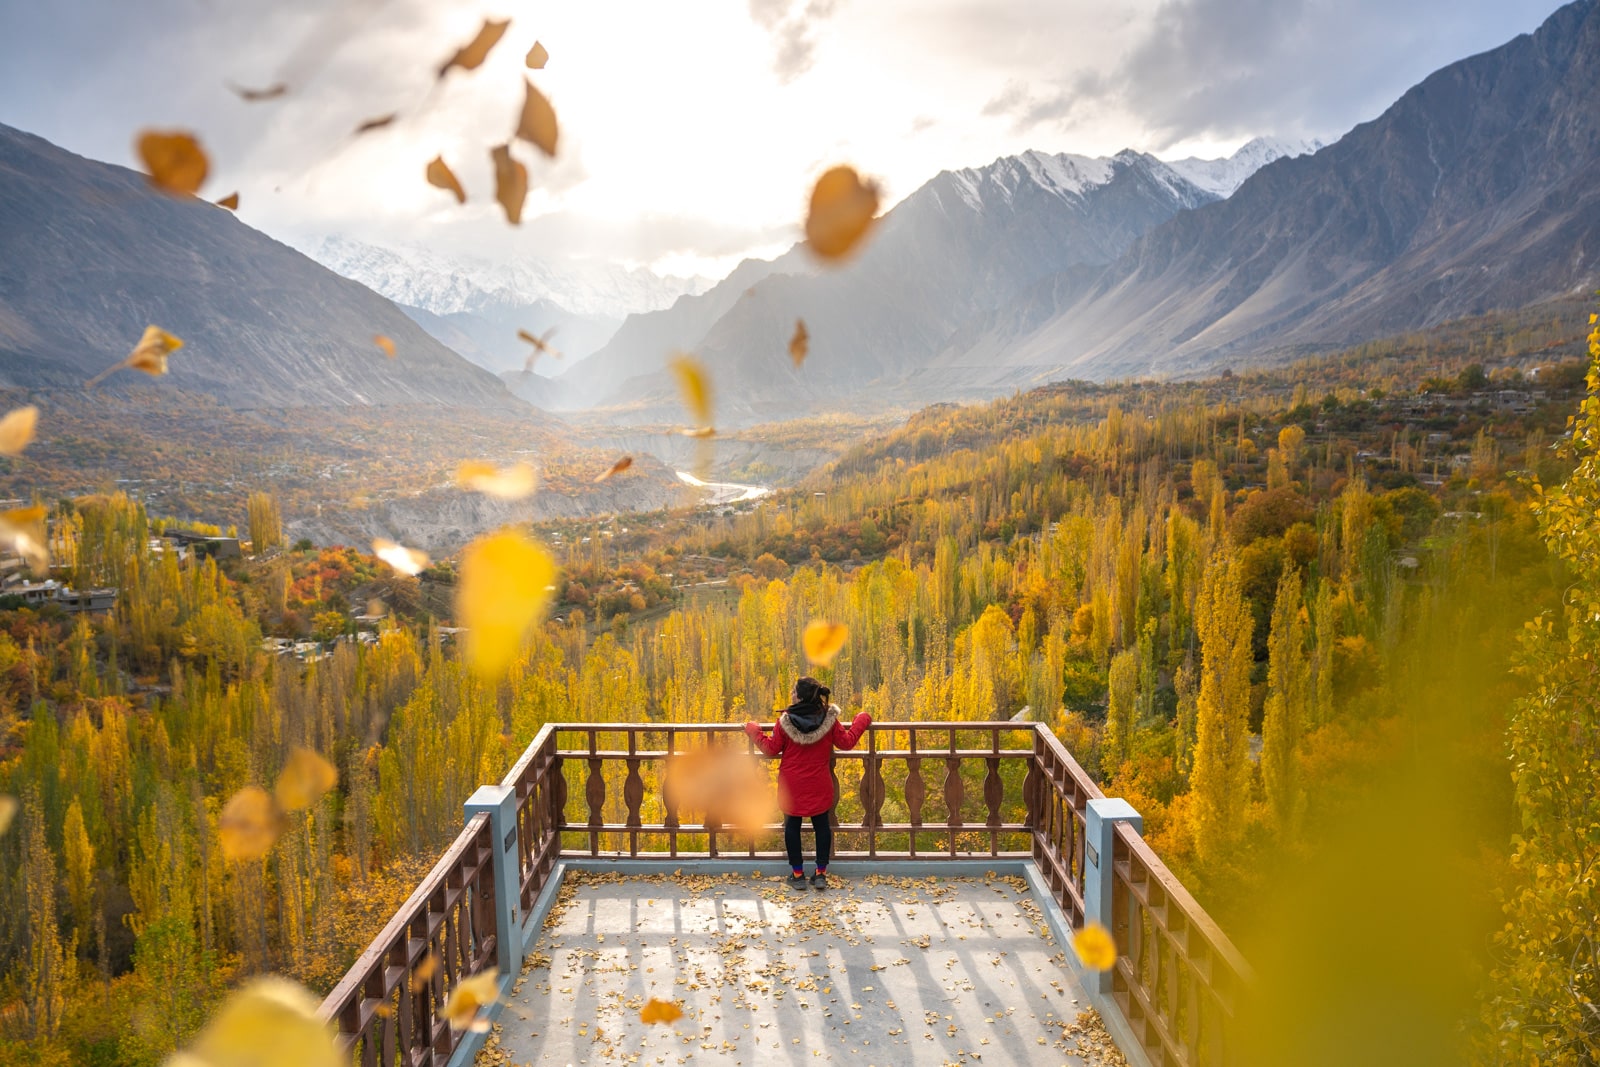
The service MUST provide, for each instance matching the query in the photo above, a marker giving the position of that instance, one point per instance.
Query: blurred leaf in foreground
(270, 1022)
(469, 995)
(842, 211)
(800, 343)
(441, 176)
(249, 824)
(16, 430)
(174, 160)
(537, 57)
(616, 468)
(510, 182)
(149, 355)
(512, 483)
(306, 777)
(471, 55)
(824, 641)
(408, 561)
(537, 125)
(505, 583)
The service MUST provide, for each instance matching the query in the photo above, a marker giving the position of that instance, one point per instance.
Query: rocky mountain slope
(93, 255)
(966, 242)
(1479, 189)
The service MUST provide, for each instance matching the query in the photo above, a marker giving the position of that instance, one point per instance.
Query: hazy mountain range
(1479, 189)
(477, 305)
(964, 243)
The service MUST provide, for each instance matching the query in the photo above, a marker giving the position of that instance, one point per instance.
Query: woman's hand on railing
(861, 721)
(753, 729)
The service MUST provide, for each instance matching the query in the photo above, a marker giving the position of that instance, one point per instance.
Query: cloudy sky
(691, 129)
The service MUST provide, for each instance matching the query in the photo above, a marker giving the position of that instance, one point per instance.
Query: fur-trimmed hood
(808, 737)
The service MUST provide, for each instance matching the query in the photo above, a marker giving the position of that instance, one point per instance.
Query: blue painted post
(1100, 831)
(500, 803)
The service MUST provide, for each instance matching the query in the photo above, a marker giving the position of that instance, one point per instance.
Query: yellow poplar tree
(1220, 780)
(1288, 692)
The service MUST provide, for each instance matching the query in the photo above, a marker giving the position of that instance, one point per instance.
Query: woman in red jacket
(803, 739)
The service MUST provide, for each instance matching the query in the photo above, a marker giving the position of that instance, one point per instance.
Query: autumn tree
(1546, 987)
(265, 522)
(1221, 777)
(1284, 721)
(1115, 746)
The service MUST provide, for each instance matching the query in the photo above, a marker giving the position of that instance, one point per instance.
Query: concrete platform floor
(877, 970)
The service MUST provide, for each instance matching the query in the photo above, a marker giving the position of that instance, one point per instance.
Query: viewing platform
(944, 936)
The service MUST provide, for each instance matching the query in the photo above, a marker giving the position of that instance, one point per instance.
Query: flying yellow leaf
(842, 210)
(617, 468)
(800, 343)
(538, 123)
(174, 160)
(376, 123)
(426, 968)
(541, 347)
(271, 1022)
(699, 431)
(512, 483)
(471, 55)
(538, 56)
(304, 779)
(248, 825)
(470, 994)
(409, 561)
(22, 530)
(16, 430)
(255, 96)
(824, 640)
(443, 177)
(150, 355)
(8, 811)
(1095, 947)
(694, 386)
(231, 202)
(384, 343)
(510, 182)
(504, 584)
(660, 1011)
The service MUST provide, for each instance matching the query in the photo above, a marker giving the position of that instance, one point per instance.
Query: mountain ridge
(94, 254)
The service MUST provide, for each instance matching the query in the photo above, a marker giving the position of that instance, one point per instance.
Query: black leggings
(791, 838)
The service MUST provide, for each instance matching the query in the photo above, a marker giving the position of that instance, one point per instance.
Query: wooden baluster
(1033, 796)
(669, 793)
(595, 793)
(994, 792)
(871, 792)
(558, 793)
(916, 791)
(954, 791)
(486, 933)
(633, 793)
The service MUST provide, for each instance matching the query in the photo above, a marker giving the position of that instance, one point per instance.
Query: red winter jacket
(805, 778)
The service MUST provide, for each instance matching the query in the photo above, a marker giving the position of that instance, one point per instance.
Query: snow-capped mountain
(1222, 176)
(476, 306)
(965, 243)
(445, 284)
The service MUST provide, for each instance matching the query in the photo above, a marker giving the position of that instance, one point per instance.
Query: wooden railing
(387, 1006)
(1002, 790)
(1178, 979)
